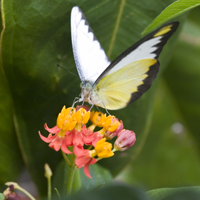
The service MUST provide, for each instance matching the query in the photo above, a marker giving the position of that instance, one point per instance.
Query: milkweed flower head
(89, 145)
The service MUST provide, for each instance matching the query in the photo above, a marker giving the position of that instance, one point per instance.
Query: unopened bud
(48, 172)
(125, 140)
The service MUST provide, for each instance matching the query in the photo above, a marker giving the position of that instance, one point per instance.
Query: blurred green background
(170, 156)
(36, 36)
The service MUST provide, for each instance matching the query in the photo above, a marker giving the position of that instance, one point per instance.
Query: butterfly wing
(89, 56)
(133, 72)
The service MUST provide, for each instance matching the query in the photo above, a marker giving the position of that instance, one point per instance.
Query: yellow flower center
(61, 133)
(103, 149)
(65, 121)
(111, 123)
(93, 153)
(97, 118)
(82, 116)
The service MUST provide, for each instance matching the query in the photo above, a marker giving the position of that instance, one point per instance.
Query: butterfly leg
(76, 100)
(104, 107)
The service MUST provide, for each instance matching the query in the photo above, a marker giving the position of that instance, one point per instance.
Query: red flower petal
(68, 140)
(79, 151)
(65, 149)
(82, 160)
(93, 161)
(87, 135)
(86, 167)
(56, 143)
(78, 141)
(55, 129)
(97, 137)
(47, 139)
(86, 170)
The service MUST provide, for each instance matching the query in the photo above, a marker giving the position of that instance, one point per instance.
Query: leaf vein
(116, 28)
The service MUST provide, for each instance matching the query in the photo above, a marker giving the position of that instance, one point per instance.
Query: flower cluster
(71, 131)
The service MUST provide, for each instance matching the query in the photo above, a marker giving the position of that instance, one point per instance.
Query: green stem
(66, 159)
(72, 172)
(49, 188)
(27, 193)
(90, 147)
(48, 174)
(17, 187)
(71, 179)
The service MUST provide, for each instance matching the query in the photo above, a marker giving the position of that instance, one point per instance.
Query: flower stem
(66, 159)
(49, 188)
(71, 176)
(71, 179)
(27, 193)
(90, 147)
(48, 174)
(16, 186)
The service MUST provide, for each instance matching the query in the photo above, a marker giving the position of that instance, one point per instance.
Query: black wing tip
(152, 73)
(147, 82)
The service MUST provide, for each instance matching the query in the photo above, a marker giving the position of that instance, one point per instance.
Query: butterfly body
(114, 85)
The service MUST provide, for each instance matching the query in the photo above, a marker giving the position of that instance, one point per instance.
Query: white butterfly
(114, 85)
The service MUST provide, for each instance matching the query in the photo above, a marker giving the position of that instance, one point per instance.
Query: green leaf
(81, 182)
(2, 197)
(187, 194)
(163, 193)
(112, 193)
(174, 10)
(10, 154)
(100, 177)
(61, 177)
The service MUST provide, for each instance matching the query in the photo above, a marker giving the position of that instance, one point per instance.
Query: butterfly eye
(88, 85)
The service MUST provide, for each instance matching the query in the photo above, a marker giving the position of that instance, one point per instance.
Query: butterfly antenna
(66, 69)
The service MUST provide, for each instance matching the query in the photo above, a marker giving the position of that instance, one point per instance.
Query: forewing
(148, 47)
(89, 56)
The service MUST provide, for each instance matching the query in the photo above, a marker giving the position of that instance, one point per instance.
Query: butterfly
(114, 85)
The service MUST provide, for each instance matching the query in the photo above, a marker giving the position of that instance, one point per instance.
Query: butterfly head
(86, 88)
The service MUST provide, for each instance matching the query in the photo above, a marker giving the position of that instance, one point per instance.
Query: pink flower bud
(110, 135)
(12, 196)
(85, 107)
(125, 140)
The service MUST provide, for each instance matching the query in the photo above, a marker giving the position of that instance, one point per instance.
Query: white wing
(149, 47)
(89, 56)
